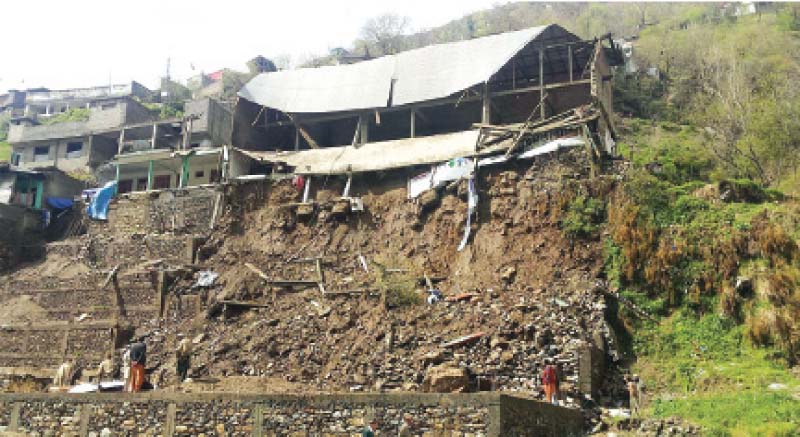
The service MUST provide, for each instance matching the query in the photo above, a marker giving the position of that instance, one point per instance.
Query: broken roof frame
(553, 58)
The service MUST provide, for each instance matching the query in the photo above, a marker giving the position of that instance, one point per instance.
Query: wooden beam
(486, 105)
(541, 83)
(311, 143)
(121, 140)
(363, 130)
(428, 104)
(153, 138)
(569, 55)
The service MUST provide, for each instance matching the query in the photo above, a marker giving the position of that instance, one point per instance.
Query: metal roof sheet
(418, 75)
(382, 155)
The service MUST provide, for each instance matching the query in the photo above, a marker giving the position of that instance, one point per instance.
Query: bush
(583, 217)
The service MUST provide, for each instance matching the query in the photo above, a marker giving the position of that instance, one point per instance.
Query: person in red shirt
(550, 382)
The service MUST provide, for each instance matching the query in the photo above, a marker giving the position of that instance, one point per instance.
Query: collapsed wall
(326, 299)
(83, 298)
(520, 292)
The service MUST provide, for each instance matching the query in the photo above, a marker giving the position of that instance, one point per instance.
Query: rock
(428, 200)
(446, 378)
(744, 286)
(508, 274)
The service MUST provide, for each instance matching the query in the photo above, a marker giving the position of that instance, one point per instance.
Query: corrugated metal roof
(382, 155)
(422, 74)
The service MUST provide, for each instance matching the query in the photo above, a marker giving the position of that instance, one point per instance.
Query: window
(41, 153)
(199, 174)
(74, 150)
(125, 186)
(106, 106)
(161, 182)
(213, 177)
(141, 184)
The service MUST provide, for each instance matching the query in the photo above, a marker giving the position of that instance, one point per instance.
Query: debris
(467, 339)
(82, 317)
(322, 310)
(508, 275)
(777, 386)
(434, 295)
(446, 378)
(363, 262)
(460, 297)
(472, 203)
(452, 170)
(206, 278)
(199, 338)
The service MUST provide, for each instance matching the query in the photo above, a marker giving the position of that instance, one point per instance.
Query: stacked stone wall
(150, 414)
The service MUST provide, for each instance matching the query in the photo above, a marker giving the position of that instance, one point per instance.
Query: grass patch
(5, 151)
(705, 371)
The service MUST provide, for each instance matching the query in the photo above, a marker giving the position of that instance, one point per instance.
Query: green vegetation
(705, 371)
(70, 115)
(583, 216)
(5, 151)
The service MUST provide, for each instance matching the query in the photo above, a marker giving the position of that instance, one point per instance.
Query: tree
(384, 33)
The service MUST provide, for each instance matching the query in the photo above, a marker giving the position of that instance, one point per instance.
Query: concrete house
(430, 104)
(75, 145)
(178, 152)
(43, 103)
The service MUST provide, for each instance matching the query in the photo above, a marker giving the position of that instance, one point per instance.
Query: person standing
(633, 394)
(138, 353)
(550, 382)
(369, 430)
(183, 355)
(106, 368)
(405, 428)
(64, 374)
(126, 364)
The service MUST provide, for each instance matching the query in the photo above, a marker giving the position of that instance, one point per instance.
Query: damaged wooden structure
(504, 92)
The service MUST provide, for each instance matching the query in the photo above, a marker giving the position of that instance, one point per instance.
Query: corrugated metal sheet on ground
(422, 74)
(383, 155)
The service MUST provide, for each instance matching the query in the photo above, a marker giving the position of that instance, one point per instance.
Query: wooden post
(187, 139)
(184, 172)
(116, 187)
(153, 138)
(541, 83)
(569, 57)
(413, 123)
(514, 73)
(363, 135)
(121, 140)
(89, 145)
(149, 175)
(486, 108)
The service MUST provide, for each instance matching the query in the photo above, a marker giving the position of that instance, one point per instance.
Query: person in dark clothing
(138, 359)
(369, 430)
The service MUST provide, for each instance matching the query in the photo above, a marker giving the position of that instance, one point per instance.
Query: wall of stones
(186, 211)
(518, 418)
(481, 414)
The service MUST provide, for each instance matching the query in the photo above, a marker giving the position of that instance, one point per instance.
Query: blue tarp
(98, 206)
(59, 202)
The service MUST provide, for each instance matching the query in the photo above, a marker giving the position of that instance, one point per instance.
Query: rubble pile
(311, 299)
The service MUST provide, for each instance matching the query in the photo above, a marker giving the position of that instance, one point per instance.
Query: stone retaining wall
(173, 414)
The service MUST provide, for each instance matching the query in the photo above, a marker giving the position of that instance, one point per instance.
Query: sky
(80, 43)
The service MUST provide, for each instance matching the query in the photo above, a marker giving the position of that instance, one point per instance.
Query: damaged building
(385, 232)
(510, 79)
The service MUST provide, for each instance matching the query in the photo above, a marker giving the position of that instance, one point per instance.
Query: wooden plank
(244, 303)
(311, 143)
(257, 271)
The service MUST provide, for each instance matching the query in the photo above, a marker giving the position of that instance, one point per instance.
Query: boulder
(446, 378)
